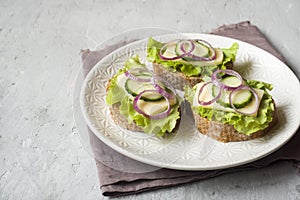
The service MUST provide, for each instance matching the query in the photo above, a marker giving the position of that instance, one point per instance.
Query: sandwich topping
(143, 98)
(190, 50)
(193, 57)
(143, 85)
(230, 99)
(230, 92)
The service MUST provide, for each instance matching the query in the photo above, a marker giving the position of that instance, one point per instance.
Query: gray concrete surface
(41, 155)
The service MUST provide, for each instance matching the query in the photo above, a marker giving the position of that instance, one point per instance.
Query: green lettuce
(153, 48)
(242, 123)
(116, 94)
(158, 127)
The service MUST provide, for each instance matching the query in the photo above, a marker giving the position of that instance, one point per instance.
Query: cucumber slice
(224, 98)
(134, 88)
(151, 96)
(241, 98)
(231, 81)
(218, 60)
(200, 50)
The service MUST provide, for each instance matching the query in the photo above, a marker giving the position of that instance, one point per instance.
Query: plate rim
(137, 157)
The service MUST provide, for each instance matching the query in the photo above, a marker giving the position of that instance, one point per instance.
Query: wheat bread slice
(122, 121)
(178, 79)
(227, 133)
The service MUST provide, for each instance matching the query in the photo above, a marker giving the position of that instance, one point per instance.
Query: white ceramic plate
(189, 150)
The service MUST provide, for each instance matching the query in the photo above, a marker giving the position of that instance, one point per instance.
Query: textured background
(41, 155)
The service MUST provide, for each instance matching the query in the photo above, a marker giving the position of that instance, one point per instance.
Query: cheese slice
(121, 79)
(170, 52)
(206, 95)
(153, 107)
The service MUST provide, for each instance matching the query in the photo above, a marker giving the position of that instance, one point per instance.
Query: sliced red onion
(162, 91)
(216, 81)
(175, 57)
(155, 117)
(187, 52)
(130, 74)
(205, 103)
(244, 87)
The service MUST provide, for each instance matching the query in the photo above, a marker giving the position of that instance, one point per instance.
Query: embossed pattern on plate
(189, 150)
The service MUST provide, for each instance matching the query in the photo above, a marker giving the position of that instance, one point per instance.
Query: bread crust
(178, 79)
(227, 133)
(120, 120)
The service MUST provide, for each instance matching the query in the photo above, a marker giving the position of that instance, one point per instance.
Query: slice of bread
(120, 120)
(178, 79)
(227, 133)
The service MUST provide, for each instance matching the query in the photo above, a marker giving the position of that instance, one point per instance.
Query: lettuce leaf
(116, 94)
(242, 123)
(153, 48)
(158, 127)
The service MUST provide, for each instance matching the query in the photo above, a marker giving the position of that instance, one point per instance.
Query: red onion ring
(218, 83)
(162, 91)
(129, 74)
(155, 117)
(205, 103)
(244, 87)
(175, 57)
(189, 51)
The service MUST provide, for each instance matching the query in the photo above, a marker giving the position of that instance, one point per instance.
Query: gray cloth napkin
(114, 182)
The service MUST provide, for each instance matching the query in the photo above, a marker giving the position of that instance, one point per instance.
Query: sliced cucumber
(200, 50)
(218, 60)
(231, 81)
(134, 88)
(241, 98)
(224, 98)
(151, 96)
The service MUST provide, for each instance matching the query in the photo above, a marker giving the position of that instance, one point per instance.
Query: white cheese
(121, 79)
(153, 107)
(170, 52)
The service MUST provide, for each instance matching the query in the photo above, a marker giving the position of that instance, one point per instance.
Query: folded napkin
(114, 182)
